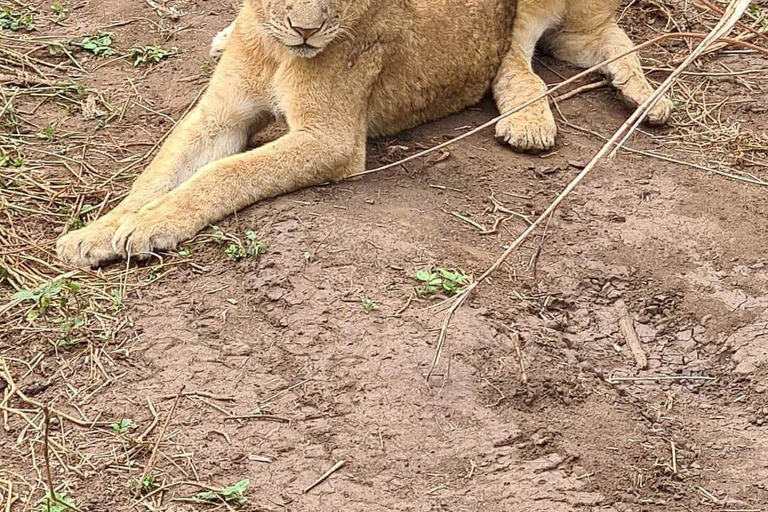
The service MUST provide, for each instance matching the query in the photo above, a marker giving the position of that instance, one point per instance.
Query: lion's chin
(305, 51)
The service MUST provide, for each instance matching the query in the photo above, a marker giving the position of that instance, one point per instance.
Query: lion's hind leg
(590, 35)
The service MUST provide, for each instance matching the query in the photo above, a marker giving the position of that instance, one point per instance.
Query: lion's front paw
(660, 113)
(90, 246)
(151, 229)
(632, 97)
(531, 130)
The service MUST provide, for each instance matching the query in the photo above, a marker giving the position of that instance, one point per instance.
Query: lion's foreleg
(217, 127)
(533, 128)
(297, 160)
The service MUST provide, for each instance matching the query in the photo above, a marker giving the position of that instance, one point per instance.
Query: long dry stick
(48, 477)
(734, 11)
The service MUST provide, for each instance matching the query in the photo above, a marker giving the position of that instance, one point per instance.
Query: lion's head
(305, 27)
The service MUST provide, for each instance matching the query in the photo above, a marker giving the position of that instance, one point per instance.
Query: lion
(338, 72)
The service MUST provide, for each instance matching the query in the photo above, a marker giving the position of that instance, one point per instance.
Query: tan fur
(340, 71)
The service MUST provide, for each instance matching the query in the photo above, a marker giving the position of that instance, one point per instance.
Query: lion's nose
(304, 32)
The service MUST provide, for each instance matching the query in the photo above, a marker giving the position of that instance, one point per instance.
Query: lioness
(339, 71)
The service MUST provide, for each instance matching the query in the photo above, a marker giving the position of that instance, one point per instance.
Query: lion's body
(424, 72)
(339, 71)
(454, 68)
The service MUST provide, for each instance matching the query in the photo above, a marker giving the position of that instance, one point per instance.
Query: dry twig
(325, 475)
(630, 335)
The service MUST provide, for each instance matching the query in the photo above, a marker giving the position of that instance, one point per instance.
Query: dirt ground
(536, 404)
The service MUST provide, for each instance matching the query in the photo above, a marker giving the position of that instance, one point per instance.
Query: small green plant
(184, 252)
(117, 298)
(441, 279)
(69, 325)
(57, 503)
(150, 54)
(148, 484)
(99, 44)
(369, 306)
(73, 90)
(74, 223)
(235, 251)
(9, 117)
(12, 20)
(48, 133)
(10, 161)
(235, 493)
(218, 236)
(74, 217)
(59, 10)
(153, 274)
(253, 247)
(56, 294)
(122, 426)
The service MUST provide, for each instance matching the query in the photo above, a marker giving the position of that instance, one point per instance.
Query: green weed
(233, 494)
(150, 54)
(48, 133)
(441, 279)
(153, 274)
(71, 324)
(369, 306)
(59, 10)
(74, 224)
(73, 90)
(55, 295)
(9, 117)
(149, 484)
(122, 426)
(235, 251)
(99, 44)
(218, 236)
(12, 20)
(253, 247)
(10, 161)
(117, 298)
